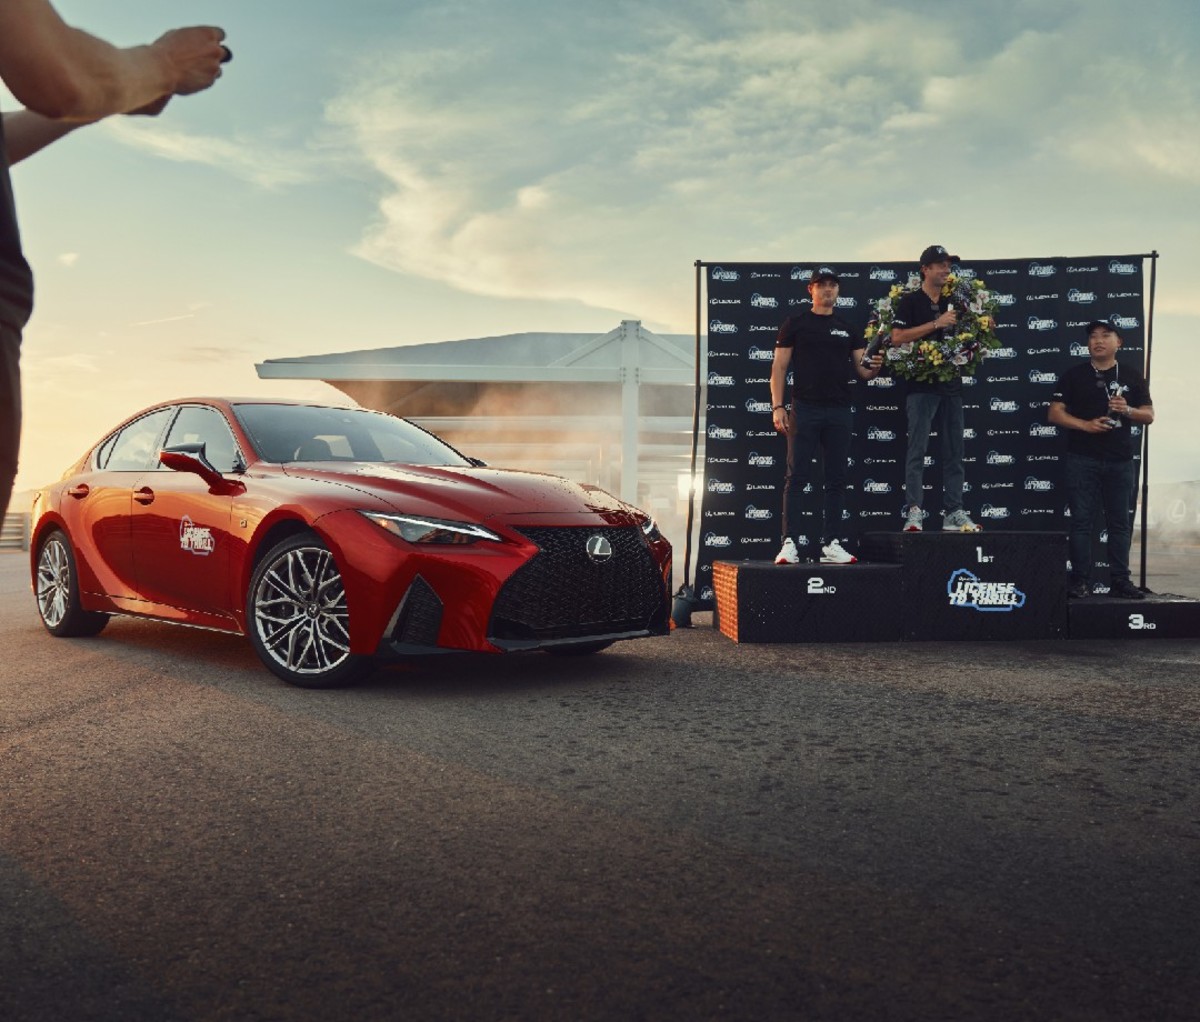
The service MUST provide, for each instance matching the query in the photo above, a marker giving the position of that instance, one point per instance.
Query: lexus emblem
(599, 549)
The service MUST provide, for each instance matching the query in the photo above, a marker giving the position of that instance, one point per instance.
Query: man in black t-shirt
(67, 78)
(922, 314)
(820, 347)
(1096, 402)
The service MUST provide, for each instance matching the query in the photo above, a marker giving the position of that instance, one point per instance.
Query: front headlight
(415, 529)
(650, 531)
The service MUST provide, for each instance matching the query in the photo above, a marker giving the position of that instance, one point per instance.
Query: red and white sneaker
(788, 554)
(832, 553)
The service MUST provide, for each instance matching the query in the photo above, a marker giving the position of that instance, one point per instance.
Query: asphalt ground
(676, 828)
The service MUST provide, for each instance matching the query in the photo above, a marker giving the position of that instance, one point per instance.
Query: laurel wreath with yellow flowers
(960, 351)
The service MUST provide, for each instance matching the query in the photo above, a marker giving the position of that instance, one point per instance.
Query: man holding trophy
(1096, 402)
(822, 350)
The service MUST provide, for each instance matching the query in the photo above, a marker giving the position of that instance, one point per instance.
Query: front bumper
(539, 589)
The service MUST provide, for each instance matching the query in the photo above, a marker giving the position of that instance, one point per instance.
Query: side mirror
(191, 458)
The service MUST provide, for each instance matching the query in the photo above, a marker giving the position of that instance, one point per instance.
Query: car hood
(461, 492)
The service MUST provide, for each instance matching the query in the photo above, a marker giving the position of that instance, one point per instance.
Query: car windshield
(307, 433)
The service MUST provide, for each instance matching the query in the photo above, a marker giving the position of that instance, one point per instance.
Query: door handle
(80, 491)
(144, 496)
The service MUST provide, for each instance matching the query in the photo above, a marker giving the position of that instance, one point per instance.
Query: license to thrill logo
(966, 590)
(196, 538)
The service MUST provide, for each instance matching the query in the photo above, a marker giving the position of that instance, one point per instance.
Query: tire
(56, 589)
(578, 649)
(297, 618)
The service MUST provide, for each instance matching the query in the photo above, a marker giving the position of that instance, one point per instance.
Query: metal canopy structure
(614, 409)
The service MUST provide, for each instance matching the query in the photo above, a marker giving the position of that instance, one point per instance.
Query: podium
(1157, 617)
(978, 585)
(759, 601)
(911, 586)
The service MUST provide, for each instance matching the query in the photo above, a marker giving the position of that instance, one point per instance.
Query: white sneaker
(912, 519)
(959, 521)
(832, 553)
(788, 554)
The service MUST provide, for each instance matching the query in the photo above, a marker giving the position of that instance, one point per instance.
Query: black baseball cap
(824, 273)
(1101, 324)
(937, 254)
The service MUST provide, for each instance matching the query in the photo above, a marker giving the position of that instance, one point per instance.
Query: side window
(104, 450)
(197, 424)
(135, 448)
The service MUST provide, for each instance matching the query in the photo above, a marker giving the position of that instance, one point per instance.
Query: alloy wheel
(53, 583)
(300, 614)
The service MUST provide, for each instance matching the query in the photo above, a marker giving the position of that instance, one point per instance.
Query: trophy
(1112, 389)
(874, 346)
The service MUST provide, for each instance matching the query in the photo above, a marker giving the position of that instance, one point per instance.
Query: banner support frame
(1145, 451)
(685, 599)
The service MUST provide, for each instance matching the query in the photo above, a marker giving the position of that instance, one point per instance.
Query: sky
(373, 173)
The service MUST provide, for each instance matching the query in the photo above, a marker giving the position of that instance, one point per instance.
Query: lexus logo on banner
(1013, 458)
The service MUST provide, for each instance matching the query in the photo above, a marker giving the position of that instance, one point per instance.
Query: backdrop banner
(1013, 457)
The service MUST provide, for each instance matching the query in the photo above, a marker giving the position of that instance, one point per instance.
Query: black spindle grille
(564, 594)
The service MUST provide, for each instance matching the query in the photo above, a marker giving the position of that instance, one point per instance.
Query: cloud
(1178, 304)
(193, 308)
(260, 164)
(164, 319)
(68, 259)
(622, 151)
(57, 365)
(1177, 157)
(211, 354)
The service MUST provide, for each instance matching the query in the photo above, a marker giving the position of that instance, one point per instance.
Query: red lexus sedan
(331, 536)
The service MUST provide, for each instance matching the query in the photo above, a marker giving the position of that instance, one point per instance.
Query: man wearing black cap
(922, 314)
(1096, 402)
(820, 348)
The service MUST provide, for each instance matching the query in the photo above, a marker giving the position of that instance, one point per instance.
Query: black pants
(1100, 491)
(813, 428)
(10, 410)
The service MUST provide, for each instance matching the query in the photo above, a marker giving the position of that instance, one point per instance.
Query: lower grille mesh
(420, 617)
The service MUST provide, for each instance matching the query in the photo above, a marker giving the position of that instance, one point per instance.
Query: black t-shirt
(1085, 390)
(16, 280)
(821, 352)
(916, 308)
